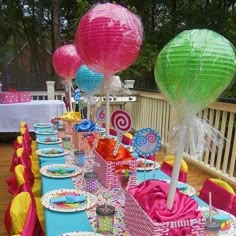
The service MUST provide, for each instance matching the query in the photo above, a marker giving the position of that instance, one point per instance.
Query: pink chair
(221, 198)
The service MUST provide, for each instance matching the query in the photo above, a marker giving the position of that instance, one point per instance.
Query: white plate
(41, 153)
(91, 200)
(55, 142)
(43, 125)
(157, 165)
(231, 231)
(44, 171)
(80, 233)
(46, 132)
(188, 191)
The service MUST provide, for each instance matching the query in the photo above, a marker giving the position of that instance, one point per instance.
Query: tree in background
(51, 24)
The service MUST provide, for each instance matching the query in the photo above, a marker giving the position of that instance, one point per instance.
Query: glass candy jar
(66, 143)
(79, 158)
(105, 218)
(90, 181)
(212, 228)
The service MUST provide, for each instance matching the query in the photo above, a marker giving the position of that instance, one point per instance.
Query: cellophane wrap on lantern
(107, 165)
(192, 70)
(66, 61)
(138, 221)
(109, 38)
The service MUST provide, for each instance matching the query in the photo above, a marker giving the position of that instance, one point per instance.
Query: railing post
(51, 90)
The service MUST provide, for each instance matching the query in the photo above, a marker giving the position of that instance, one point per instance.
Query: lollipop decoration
(101, 114)
(77, 95)
(88, 81)
(122, 123)
(108, 39)
(192, 70)
(146, 142)
(66, 62)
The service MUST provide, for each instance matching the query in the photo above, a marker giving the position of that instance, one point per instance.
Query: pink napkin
(152, 197)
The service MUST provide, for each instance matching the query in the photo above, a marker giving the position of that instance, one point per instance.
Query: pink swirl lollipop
(121, 121)
(151, 137)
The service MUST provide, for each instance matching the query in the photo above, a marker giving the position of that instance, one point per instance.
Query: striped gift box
(80, 140)
(140, 224)
(106, 171)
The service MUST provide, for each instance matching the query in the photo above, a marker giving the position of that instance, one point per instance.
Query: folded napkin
(48, 139)
(152, 197)
(182, 186)
(86, 126)
(69, 199)
(61, 170)
(52, 151)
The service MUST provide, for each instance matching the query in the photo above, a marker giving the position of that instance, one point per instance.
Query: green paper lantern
(194, 68)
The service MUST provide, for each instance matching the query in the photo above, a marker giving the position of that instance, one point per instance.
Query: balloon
(66, 61)
(108, 38)
(194, 68)
(88, 80)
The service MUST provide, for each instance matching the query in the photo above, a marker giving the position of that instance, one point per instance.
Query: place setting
(39, 126)
(60, 170)
(52, 152)
(49, 140)
(68, 200)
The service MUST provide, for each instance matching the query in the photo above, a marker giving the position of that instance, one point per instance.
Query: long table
(57, 223)
(31, 112)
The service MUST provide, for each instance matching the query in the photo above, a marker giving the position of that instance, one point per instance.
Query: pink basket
(8, 97)
(80, 140)
(140, 224)
(24, 96)
(106, 171)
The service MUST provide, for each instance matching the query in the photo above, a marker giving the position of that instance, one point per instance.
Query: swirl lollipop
(122, 123)
(146, 142)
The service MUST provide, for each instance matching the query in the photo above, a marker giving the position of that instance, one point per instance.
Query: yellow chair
(170, 160)
(21, 218)
(22, 185)
(223, 184)
(167, 167)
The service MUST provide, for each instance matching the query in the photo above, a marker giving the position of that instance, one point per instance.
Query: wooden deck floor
(196, 177)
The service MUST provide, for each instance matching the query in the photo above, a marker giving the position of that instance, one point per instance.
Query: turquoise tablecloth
(57, 223)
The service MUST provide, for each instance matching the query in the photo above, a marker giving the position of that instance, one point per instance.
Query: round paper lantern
(108, 38)
(194, 68)
(66, 61)
(88, 80)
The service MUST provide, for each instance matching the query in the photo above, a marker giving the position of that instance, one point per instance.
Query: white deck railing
(43, 95)
(152, 110)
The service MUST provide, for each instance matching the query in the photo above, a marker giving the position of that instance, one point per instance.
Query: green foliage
(143, 64)
(33, 21)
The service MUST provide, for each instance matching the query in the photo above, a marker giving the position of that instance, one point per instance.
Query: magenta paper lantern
(66, 61)
(109, 38)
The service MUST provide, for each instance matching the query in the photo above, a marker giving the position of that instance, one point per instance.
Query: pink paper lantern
(109, 38)
(66, 61)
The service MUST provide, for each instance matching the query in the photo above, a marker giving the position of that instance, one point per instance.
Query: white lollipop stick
(118, 142)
